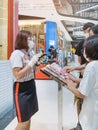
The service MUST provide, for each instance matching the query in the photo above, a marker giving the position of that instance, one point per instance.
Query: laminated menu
(56, 72)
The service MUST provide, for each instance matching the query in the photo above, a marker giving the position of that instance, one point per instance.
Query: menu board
(54, 71)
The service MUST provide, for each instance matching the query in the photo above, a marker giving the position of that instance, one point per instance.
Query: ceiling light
(92, 7)
(29, 22)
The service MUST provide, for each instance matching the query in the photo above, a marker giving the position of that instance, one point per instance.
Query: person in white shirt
(24, 88)
(88, 88)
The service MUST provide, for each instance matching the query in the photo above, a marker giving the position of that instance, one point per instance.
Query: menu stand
(60, 104)
(61, 82)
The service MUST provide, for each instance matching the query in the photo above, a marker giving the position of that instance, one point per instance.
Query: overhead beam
(76, 19)
(94, 3)
(26, 17)
(87, 9)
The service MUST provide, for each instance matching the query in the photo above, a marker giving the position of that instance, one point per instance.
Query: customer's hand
(74, 79)
(70, 84)
(69, 69)
(63, 71)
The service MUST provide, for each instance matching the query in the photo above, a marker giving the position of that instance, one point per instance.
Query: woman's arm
(69, 69)
(20, 72)
(74, 79)
(71, 86)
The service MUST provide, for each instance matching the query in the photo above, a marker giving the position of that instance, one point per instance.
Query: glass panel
(3, 29)
(3, 13)
(3, 3)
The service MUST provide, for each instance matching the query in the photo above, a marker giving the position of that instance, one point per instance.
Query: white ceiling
(42, 8)
(46, 9)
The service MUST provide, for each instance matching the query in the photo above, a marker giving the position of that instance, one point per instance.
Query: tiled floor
(47, 116)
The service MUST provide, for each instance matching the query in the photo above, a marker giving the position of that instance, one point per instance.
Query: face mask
(86, 35)
(31, 44)
(31, 51)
